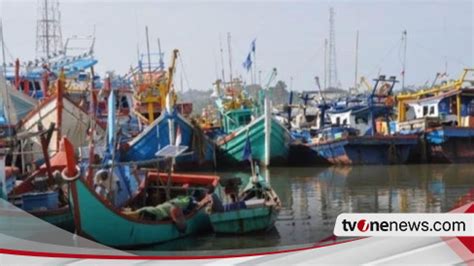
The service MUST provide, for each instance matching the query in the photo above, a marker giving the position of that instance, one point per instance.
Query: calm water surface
(313, 197)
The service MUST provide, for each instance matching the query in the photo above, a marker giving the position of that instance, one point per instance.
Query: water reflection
(313, 197)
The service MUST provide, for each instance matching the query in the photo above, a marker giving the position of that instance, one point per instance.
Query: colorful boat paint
(69, 118)
(450, 144)
(170, 126)
(443, 117)
(119, 230)
(244, 221)
(255, 209)
(59, 215)
(365, 149)
(232, 146)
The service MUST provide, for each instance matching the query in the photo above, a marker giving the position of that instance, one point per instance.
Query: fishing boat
(33, 78)
(244, 119)
(359, 132)
(443, 117)
(162, 208)
(165, 121)
(69, 118)
(135, 224)
(43, 193)
(253, 209)
(171, 128)
(136, 206)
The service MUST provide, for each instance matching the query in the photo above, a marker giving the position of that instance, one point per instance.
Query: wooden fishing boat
(163, 131)
(268, 137)
(123, 229)
(232, 146)
(135, 206)
(363, 150)
(154, 213)
(443, 118)
(70, 119)
(358, 130)
(44, 194)
(254, 209)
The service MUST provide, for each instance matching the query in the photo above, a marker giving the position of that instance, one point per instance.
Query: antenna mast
(356, 59)
(48, 29)
(404, 40)
(325, 63)
(148, 54)
(230, 57)
(162, 64)
(222, 58)
(2, 42)
(332, 72)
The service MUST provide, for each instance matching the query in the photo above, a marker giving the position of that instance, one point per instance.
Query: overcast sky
(290, 35)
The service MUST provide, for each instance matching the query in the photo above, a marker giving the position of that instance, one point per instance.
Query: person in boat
(102, 187)
(215, 201)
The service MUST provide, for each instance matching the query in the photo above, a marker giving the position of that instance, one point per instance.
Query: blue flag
(253, 45)
(247, 63)
(247, 150)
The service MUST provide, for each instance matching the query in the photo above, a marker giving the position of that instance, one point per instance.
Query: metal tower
(48, 29)
(332, 67)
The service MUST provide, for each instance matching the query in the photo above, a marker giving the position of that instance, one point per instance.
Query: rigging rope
(184, 70)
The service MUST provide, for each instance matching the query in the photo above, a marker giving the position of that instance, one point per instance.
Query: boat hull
(96, 219)
(70, 120)
(244, 220)
(156, 136)
(450, 145)
(61, 217)
(366, 150)
(232, 146)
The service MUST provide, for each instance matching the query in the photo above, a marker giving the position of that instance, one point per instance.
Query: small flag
(254, 45)
(247, 150)
(177, 141)
(247, 63)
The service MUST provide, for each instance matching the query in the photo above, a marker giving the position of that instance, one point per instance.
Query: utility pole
(48, 29)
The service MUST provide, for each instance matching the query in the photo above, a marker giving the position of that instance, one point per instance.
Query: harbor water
(312, 198)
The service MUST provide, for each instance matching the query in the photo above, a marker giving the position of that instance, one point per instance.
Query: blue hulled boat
(358, 131)
(168, 129)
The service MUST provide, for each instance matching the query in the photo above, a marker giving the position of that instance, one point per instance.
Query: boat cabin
(454, 108)
(235, 119)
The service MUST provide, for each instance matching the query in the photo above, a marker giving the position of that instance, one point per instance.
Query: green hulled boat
(255, 209)
(97, 219)
(232, 146)
(242, 119)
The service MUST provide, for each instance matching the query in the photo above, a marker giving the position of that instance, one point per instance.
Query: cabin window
(432, 110)
(344, 122)
(470, 108)
(425, 110)
(338, 121)
(124, 102)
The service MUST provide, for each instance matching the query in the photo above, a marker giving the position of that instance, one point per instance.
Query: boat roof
(440, 96)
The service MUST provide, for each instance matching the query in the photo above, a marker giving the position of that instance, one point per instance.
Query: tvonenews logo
(404, 224)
